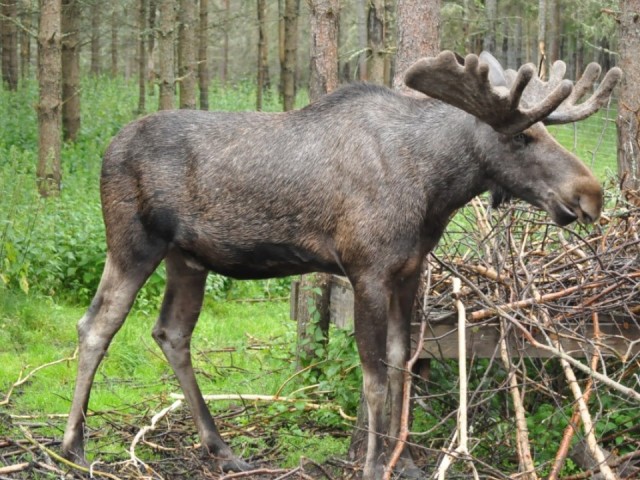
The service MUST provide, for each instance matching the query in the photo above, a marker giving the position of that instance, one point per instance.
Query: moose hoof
(233, 464)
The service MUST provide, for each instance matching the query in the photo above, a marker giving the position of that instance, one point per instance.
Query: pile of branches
(548, 287)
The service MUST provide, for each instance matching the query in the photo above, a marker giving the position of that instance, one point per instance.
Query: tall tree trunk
(187, 54)
(203, 55)
(166, 34)
(491, 12)
(224, 70)
(142, 56)
(96, 61)
(26, 17)
(115, 24)
(151, 45)
(554, 30)
(542, 32)
(324, 47)
(418, 34)
(70, 25)
(262, 55)
(10, 65)
(628, 121)
(289, 64)
(49, 109)
(376, 32)
(361, 14)
(313, 305)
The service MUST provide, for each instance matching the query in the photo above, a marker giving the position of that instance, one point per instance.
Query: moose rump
(361, 183)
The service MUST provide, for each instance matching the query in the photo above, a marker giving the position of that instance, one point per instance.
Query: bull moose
(360, 183)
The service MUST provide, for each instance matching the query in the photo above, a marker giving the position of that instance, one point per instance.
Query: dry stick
(271, 398)
(588, 427)
(492, 311)
(22, 379)
(63, 460)
(154, 420)
(522, 436)
(462, 431)
(258, 471)
(18, 467)
(574, 423)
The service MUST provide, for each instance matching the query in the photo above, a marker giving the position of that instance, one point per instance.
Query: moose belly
(264, 260)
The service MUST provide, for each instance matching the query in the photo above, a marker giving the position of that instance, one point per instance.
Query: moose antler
(508, 101)
(569, 110)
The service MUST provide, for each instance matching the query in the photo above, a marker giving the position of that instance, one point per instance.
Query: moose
(360, 183)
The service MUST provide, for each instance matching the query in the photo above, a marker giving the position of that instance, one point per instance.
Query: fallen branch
(22, 379)
(63, 460)
(270, 398)
(462, 451)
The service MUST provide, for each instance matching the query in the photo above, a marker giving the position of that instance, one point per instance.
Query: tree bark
(628, 121)
(376, 35)
(115, 23)
(26, 17)
(288, 73)
(324, 47)
(48, 173)
(151, 45)
(166, 33)
(262, 53)
(96, 64)
(224, 71)
(142, 56)
(542, 33)
(203, 55)
(70, 25)
(418, 35)
(187, 54)
(9, 43)
(491, 12)
(554, 30)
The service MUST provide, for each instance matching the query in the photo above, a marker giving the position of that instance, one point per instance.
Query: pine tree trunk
(262, 55)
(187, 54)
(324, 47)
(9, 43)
(49, 107)
(628, 120)
(224, 71)
(96, 65)
(70, 25)
(115, 21)
(542, 33)
(291, 13)
(166, 33)
(418, 34)
(142, 56)
(203, 55)
(376, 30)
(25, 39)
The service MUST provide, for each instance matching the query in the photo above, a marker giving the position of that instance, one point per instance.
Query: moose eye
(522, 139)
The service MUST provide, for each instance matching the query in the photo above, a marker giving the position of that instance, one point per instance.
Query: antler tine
(468, 87)
(569, 112)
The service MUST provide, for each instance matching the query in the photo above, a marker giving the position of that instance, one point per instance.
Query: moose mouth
(563, 215)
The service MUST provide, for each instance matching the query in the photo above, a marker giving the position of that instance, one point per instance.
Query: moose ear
(496, 72)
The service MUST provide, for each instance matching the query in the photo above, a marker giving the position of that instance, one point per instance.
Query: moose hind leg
(371, 308)
(118, 287)
(180, 310)
(398, 351)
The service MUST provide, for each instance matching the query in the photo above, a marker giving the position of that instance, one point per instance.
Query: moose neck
(451, 163)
